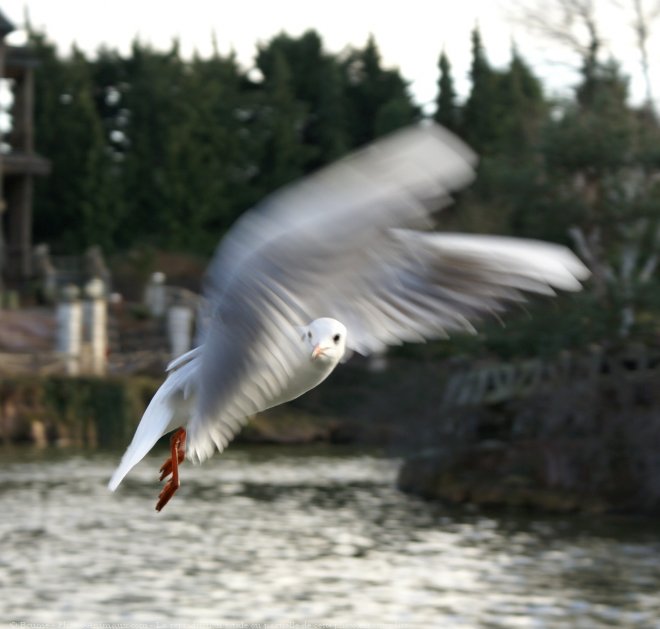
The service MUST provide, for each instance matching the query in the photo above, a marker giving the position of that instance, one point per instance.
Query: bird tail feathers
(163, 414)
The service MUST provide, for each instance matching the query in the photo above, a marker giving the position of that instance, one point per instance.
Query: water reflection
(273, 536)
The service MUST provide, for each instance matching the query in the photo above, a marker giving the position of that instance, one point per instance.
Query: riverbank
(575, 434)
(585, 441)
(353, 406)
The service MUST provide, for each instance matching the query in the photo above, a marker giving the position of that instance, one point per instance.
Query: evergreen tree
(156, 108)
(446, 111)
(78, 205)
(110, 86)
(510, 121)
(222, 142)
(605, 190)
(282, 120)
(480, 114)
(377, 99)
(315, 81)
(522, 108)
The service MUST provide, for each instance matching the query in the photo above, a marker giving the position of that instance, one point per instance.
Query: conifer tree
(281, 123)
(223, 147)
(446, 111)
(605, 191)
(156, 109)
(480, 114)
(78, 205)
(316, 82)
(522, 107)
(377, 98)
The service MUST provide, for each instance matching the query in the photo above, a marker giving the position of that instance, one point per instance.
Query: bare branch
(641, 27)
(571, 23)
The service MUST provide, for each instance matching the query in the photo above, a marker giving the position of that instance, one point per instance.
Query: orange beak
(317, 351)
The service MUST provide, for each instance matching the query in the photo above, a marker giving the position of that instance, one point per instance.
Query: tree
(480, 120)
(503, 119)
(446, 110)
(281, 123)
(603, 167)
(78, 205)
(582, 27)
(315, 81)
(156, 114)
(522, 107)
(377, 99)
(223, 146)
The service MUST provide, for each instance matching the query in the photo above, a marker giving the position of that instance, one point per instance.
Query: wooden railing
(43, 363)
(492, 384)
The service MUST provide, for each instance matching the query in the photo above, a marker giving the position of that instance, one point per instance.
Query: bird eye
(336, 338)
(309, 335)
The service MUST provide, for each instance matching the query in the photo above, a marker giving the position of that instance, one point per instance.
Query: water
(300, 538)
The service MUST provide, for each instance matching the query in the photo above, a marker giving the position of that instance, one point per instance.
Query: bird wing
(248, 364)
(345, 243)
(425, 285)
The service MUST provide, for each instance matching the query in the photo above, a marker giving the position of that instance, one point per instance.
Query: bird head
(325, 339)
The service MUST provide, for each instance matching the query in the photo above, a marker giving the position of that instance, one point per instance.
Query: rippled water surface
(301, 537)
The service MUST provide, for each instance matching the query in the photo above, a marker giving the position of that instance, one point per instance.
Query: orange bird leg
(171, 466)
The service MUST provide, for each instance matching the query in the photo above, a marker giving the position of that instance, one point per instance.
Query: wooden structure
(19, 163)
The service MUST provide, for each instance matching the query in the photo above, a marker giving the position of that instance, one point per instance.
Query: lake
(300, 537)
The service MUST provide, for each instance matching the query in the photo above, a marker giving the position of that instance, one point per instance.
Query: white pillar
(155, 295)
(69, 328)
(179, 329)
(377, 362)
(96, 324)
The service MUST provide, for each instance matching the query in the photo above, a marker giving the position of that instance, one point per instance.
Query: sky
(410, 34)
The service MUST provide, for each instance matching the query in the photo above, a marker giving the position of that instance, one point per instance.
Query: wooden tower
(19, 163)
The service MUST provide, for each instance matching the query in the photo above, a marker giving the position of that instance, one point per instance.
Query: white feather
(348, 243)
(166, 411)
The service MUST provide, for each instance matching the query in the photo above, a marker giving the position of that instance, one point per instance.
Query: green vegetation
(155, 150)
(81, 411)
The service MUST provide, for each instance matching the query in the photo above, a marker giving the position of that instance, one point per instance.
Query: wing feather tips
(449, 281)
(205, 437)
(546, 265)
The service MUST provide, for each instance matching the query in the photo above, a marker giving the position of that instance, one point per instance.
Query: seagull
(344, 260)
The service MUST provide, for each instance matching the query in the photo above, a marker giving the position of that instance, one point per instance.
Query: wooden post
(19, 196)
(3, 205)
(22, 135)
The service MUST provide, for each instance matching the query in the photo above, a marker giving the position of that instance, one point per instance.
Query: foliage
(446, 111)
(79, 201)
(153, 149)
(85, 410)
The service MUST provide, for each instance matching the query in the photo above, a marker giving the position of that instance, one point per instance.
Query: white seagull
(341, 261)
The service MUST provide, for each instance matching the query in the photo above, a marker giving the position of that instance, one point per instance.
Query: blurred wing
(421, 285)
(249, 362)
(397, 181)
(298, 243)
(340, 244)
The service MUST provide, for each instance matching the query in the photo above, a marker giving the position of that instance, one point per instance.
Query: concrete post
(96, 325)
(377, 362)
(155, 296)
(179, 329)
(69, 328)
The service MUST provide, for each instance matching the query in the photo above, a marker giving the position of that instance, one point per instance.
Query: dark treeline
(157, 149)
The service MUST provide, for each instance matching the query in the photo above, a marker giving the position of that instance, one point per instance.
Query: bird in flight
(343, 261)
